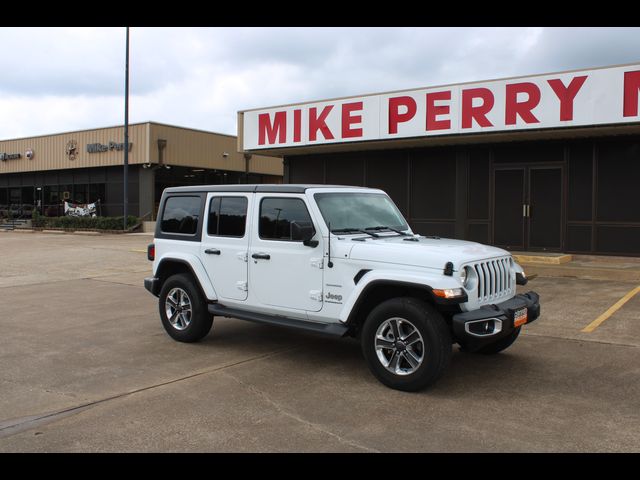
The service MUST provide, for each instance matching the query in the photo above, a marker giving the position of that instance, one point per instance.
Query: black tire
(187, 326)
(501, 344)
(435, 339)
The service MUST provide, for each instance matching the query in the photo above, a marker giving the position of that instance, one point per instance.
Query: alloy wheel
(399, 346)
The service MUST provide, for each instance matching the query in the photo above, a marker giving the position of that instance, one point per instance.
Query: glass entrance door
(527, 207)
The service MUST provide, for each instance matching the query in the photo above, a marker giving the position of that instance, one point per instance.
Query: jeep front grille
(494, 279)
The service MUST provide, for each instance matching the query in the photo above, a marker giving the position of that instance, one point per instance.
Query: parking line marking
(138, 251)
(613, 309)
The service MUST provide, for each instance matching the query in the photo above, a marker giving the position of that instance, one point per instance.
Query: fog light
(483, 328)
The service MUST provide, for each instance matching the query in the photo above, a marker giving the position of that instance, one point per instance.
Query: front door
(527, 207)
(283, 272)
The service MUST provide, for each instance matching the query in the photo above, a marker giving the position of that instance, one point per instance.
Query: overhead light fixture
(225, 154)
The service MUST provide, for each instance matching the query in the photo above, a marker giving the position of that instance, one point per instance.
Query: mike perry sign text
(589, 97)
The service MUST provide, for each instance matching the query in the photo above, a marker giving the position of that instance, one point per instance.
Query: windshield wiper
(382, 227)
(359, 230)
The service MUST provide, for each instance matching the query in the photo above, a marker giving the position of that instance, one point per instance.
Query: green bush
(37, 220)
(87, 223)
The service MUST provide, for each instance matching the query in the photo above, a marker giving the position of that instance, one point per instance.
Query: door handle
(263, 256)
(212, 251)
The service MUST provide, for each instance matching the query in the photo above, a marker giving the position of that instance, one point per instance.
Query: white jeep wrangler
(335, 260)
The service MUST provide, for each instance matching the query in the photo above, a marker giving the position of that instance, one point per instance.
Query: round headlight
(467, 275)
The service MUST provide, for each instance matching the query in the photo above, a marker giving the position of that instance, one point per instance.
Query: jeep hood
(426, 252)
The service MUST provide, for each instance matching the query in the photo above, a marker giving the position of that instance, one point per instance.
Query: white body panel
(228, 270)
(292, 276)
(189, 253)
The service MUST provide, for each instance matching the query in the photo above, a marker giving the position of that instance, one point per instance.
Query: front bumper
(489, 323)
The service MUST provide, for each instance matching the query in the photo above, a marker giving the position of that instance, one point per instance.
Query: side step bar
(334, 329)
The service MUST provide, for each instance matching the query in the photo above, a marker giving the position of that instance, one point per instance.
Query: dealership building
(40, 173)
(539, 163)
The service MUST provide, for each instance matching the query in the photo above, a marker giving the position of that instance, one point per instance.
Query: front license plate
(519, 317)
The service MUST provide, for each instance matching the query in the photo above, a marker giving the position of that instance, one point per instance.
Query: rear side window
(181, 215)
(277, 215)
(227, 216)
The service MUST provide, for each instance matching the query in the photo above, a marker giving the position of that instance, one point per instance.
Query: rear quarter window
(181, 215)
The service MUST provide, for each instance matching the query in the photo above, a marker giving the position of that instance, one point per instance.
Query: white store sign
(589, 97)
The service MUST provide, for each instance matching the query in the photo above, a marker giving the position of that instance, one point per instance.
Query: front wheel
(183, 310)
(406, 343)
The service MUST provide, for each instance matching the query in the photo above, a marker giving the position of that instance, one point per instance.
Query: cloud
(58, 79)
(574, 48)
(24, 116)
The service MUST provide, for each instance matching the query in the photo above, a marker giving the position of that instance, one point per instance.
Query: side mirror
(304, 233)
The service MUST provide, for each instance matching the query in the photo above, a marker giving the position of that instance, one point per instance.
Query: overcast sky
(62, 79)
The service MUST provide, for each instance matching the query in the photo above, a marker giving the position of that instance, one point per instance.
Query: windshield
(359, 211)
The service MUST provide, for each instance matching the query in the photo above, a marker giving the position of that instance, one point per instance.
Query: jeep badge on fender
(335, 260)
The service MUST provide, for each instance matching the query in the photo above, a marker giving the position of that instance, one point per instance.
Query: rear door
(225, 242)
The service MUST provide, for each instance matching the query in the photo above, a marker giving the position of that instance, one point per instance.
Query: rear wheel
(183, 309)
(406, 343)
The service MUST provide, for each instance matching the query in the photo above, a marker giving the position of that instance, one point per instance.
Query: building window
(51, 201)
(66, 192)
(80, 193)
(14, 196)
(96, 192)
(4, 207)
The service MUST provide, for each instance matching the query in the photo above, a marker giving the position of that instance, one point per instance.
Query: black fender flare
(426, 291)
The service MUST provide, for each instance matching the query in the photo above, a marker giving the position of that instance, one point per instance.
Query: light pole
(126, 134)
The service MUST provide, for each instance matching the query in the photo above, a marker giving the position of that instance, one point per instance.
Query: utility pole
(126, 135)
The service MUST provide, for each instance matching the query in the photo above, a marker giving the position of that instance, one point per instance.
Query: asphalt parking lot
(87, 367)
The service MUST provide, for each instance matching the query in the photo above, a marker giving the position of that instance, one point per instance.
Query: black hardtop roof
(261, 187)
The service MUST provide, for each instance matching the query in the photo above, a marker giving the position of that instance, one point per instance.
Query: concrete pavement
(87, 367)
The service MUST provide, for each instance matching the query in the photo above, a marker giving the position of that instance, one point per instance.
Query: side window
(227, 216)
(181, 215)
(277, 215)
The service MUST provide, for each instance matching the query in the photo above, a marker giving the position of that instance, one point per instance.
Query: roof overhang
(473, 139)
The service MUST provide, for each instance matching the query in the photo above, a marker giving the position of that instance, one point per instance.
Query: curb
(542, 260)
